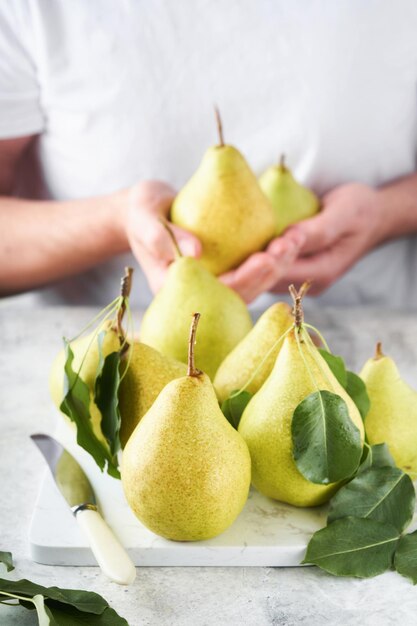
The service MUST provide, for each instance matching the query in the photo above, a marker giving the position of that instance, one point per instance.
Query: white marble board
(267, 533)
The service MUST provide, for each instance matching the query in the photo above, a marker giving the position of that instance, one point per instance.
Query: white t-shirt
(121, 91)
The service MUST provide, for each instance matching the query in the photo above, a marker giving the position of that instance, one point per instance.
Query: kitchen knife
(77, 491)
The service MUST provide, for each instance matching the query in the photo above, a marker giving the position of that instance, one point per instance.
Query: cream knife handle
(111, 556)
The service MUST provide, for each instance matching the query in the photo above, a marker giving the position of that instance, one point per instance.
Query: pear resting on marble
(185, 470)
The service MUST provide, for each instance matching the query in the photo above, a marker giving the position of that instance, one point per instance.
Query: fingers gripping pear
(185, 470)
(266, 422)
(392, 417)
(223, 205)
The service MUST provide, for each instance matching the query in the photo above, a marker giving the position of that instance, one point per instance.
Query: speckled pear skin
(266, 425)
(392, 418)
(291, 201)
(111, 343)
(189, 287)
(244, 359)
(148, 373)
(223, 205)
(185, 470)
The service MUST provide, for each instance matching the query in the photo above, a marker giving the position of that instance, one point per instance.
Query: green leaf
(381, 456)
(7, 559)
(356, 388)
(86, 601)
(107, 399)
(65, 615)
(337, 366)
(353, 546)
(326, 443)
(385, 494)
(405, 560)
(44, 616)
(76, 404)
(234, 406)
(366, 459)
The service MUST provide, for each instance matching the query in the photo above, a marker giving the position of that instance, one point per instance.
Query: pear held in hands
(291, 201)
(189, 287)
(265, 425)
(392, 417)
(185, 470)
(249, 364)
(223, 205)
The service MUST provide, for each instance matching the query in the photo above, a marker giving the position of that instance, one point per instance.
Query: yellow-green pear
(254, 357)
(190, 287)
(86, 361)
(266, 423)
(148, 373)
(185, 470)
(392, 417)
(290, 200)
(223, 205)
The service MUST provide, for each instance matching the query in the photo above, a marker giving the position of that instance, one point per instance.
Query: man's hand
(148, 202)
(263, 270)
(352, 221)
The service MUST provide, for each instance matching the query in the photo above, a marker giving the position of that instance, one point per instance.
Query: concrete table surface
(181, 596)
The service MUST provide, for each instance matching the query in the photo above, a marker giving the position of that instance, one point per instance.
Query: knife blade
(77, 491)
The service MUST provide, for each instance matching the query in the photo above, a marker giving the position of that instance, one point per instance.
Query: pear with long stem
(266, 422)
(223, 205)
(185, 470)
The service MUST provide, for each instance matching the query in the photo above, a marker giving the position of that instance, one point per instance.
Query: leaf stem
(313, 351)
(262, 362)
(192, 370)
(319, 335)
(297, 338)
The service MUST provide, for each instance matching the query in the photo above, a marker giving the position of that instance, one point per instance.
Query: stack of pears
(190, 287)
(223, 205)
(392, 417)
(265, 424)
(249, 364)
(291, 201)
(185, 470)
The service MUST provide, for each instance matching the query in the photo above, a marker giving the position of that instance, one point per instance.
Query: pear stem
(192, 370)
(297, 297)
(378, 351)
(219, 126)
(282, 162)
(165, 224)
(125, 289)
